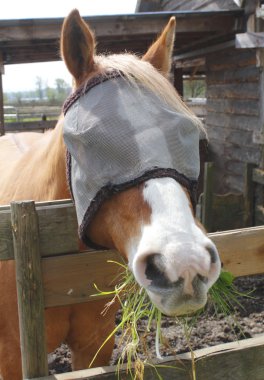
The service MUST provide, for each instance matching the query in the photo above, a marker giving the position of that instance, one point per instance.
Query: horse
(150, 222)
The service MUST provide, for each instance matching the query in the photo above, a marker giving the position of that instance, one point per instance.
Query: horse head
(133, 163)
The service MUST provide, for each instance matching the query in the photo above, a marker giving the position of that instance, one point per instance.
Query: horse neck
(40, 173)
(52, 182)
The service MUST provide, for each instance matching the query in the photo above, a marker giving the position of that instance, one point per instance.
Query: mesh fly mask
(118, 135)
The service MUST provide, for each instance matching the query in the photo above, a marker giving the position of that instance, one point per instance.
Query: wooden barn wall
(234, 116)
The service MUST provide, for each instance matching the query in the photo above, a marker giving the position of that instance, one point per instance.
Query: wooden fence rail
(30, 126)
(243, 360)
(48, 231)
(30, 118)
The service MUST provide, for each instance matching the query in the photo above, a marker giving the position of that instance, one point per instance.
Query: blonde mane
(139, 71)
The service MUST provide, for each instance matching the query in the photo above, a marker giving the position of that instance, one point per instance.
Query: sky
(22, 77)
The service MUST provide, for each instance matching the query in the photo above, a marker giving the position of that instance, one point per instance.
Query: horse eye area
(155, 271)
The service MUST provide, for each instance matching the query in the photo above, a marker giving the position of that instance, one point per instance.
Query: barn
(232, 64)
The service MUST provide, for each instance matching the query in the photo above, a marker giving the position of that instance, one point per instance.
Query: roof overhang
(37, 40)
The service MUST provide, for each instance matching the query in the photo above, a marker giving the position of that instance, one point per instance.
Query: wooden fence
(30, 118)
(44, 234)
(22, 112)
(30, 126)
(40, 118)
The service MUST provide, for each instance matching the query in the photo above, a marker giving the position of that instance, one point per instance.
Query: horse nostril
(155, 266)
(213, 253)
(155, 270)
(202, 278)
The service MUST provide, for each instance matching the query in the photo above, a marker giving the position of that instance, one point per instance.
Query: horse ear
(77, 46)
(159, 54)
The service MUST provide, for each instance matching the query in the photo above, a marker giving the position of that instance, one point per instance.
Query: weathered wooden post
(249, 196)
(29, 289)
(2, 126)
(208, 197)
(178, 79)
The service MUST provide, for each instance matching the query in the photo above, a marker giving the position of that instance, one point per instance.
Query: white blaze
(174, 234)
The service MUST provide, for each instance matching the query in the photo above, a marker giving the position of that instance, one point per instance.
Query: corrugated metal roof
(181, 5)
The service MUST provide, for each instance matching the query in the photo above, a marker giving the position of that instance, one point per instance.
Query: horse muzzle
(174, 301)
(178, 285)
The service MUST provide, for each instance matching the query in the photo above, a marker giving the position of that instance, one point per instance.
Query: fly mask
(119, 134)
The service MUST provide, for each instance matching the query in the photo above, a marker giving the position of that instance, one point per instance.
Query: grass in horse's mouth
(223, 298)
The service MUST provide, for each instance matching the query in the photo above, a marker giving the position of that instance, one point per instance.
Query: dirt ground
(208, 331)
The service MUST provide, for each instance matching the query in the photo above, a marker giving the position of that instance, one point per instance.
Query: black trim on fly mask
(110, 189)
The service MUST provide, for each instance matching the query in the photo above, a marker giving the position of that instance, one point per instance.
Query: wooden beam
(204, 51)
(258, 176)
(241, 251)
(123, 25)
(242, 360)
(248, 195)
(259, 215)
(26, 126)
(38, 40)
(196, 62)
(178, 80)
(2, 122)
(2, 125)
(249, 40)
(70, 279)
(207, 214)
(29, 289)
(258, 135)
(247, 107)
(250, 6)
(58, 229)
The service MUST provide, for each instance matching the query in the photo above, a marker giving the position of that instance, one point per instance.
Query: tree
(62, 89)
(51, 94)
(194, 88)
(18, 97)
(6, 99)
(61, 85)
(39, 88)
